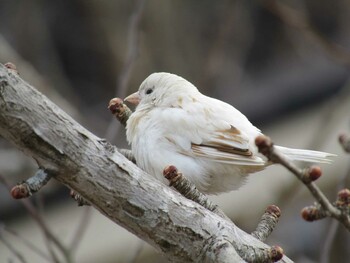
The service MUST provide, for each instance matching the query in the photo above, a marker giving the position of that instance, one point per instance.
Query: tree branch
(339, 211)
(179, 228)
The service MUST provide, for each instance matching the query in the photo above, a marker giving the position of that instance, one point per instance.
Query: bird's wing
(213, 130)
(227, 146)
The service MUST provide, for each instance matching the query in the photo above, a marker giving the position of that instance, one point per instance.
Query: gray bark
(181, 229)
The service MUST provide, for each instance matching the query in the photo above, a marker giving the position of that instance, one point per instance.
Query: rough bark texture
(181, 229)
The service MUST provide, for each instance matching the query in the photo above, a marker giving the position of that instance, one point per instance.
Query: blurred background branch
(113, 130)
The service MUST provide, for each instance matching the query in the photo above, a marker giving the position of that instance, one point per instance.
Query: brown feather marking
(243, 152)
(232, 134)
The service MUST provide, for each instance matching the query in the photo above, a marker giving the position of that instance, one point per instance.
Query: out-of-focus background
(284, 64)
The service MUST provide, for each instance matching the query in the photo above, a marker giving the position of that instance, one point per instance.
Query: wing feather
(221, 134)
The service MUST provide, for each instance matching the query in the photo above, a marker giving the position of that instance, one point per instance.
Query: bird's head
(161, 90)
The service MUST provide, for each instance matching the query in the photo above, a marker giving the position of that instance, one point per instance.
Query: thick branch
(183, 230)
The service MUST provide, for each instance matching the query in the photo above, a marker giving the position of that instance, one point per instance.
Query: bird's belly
(155, 157)
(153, 153)
(208, 176)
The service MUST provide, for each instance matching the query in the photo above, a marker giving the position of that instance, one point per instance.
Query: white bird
(208, 140)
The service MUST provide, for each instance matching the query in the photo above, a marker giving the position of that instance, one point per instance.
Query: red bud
(19, 191)
(275, 253)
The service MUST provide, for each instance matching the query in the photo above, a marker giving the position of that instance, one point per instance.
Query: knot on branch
(78, 198)
(272, 254)
(275, 253)
(12, 67)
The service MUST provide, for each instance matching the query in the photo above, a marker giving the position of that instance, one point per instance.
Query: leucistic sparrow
(208, 140)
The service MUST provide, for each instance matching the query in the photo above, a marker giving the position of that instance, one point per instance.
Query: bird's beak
(133, 98)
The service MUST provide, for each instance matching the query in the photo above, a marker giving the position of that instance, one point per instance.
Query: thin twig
(267, 223)
(31, 185)
(48, 243)
(266, 147)
(39, 220)
(119, 110)
(189, 190)
(331, 233)
(332, 230)
(330, 112)
(47, 232)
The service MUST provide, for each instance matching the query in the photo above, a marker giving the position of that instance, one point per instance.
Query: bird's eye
(149, 91)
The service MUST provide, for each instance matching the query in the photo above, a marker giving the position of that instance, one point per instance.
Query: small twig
(267, 223)
(31, 185)
(306, 176)
(119, 110)
(122, 112)
(333, 228)
(188, 190)
(47, 232)
(48, 243)
(316, 212)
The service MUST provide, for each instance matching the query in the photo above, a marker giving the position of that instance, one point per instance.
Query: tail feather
(306, 155)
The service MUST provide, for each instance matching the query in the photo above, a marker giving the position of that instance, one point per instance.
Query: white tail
(305, 155)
